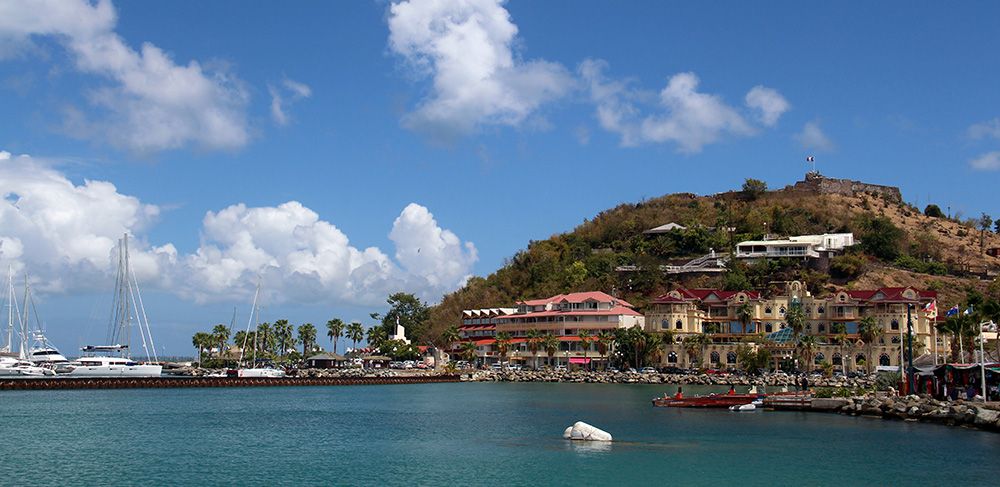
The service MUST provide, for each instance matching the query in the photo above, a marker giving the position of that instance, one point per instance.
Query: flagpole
(982, 363)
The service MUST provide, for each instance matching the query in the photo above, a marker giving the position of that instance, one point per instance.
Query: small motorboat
(743, 407)
(709, 401)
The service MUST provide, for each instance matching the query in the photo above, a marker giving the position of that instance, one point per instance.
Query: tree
(840, 337)
(752, 360)
(695, 345)
(468, 351)
(984, 224)
(550, 343)
(503, 345)
(996, 226)
(870, 331)
(796, 320)
(450, 336)
(335, 330)
(199, 340)
(264, 338)
(933, 211)
(744, 313)
(221, 335)
(534, 337)
(307, 335)
(584, 337)
(284, 335)
(355, 333)
(376, 337)
(807, 348)
(753, 188)
(604, 341)
(881, 238)
(410, 312)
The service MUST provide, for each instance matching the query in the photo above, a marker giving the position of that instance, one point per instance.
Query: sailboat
(17, 366)
(253, 370)
(41, 352)
(115, 359)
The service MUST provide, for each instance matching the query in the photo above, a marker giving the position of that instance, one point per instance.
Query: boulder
(585, 432)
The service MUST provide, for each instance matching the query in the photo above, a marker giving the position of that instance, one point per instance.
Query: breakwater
(908, 408)
(190, 382)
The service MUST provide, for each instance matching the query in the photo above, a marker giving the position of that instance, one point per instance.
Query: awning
(579, 360)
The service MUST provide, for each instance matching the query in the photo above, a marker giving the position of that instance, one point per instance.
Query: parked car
(647, 370)
(561, 367)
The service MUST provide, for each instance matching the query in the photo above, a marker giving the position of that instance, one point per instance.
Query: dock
(66, 383)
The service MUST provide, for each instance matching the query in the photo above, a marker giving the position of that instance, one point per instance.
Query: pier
(62, 383)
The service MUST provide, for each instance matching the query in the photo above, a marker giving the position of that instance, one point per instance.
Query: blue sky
(470, 128)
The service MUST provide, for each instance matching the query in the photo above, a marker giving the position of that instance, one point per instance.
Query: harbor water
(460, 433)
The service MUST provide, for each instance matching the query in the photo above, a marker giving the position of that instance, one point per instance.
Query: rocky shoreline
(923, 408)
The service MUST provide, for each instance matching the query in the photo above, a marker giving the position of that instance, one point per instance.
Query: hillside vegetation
(899, 245)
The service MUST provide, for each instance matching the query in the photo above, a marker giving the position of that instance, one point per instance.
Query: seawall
(63, 383)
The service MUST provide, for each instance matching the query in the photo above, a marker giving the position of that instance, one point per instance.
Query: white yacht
(126, 310)
(12, 368)
(255, 371)
(44, 353)
(104, 366)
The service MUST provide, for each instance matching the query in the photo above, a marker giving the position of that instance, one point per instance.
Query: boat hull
(116, 371)
(256, 373)
(710, 401)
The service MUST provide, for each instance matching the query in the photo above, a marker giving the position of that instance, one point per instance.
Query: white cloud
(288, 92)
(466, 48)
(150, 103)
(65, 234)
(987, 129)
(989, 161)
(687, 117)
(812, 137)
(768, 102)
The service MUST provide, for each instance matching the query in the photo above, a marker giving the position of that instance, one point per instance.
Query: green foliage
(916, 265)
(753, 361)
(885, 380)
(847, 266)
(754, 188)
(881, 238)
(933, 211)
(635, 347)
(399, 350)
(409, 311)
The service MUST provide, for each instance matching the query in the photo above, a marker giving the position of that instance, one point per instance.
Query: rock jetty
(918, 408)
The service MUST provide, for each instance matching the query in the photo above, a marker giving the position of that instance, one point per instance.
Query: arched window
(881, 340)
(894, 324)
(809, 310)
(715, 357)
(895, 339)
(781, 326)
(665, 324)
(821, 310)
(819, 358)
(859, 359)
(809, 327)
(672, 358)
(679, 325)
(768, 328)
(822, 328)
(767, 310)
(781, 311)
(731, 358)
(883, 360)
(838, 360)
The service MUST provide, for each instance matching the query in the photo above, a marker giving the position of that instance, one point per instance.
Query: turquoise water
(447, 434)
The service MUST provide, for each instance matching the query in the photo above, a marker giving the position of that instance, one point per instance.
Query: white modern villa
(802, 246)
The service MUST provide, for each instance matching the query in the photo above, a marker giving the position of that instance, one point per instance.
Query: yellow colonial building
(731, 318)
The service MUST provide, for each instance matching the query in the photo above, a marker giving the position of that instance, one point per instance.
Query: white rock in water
(586, 432)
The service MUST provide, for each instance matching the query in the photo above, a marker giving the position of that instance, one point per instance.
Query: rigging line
(249, 320)
(145, 319)
(142, 334)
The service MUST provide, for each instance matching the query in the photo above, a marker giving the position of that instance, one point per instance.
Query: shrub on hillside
(753, 188)
(881, 238)
(933, 211)
(916, 265)
(847, 266)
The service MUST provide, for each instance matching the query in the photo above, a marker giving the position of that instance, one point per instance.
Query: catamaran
(253, 370)
(115, 359)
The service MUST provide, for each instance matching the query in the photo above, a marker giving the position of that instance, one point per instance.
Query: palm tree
(469, 351)
(533, 344)
(870, 331)
(604, 340)
(284, 336)
(356, 333)
(796, 320)
(551, 345)
(807, 347)
(199, 340)
(335, 330)
(695, 345)
(264, 338)
(307, 335)
(841, 339)
(503, 344)
(744, 313)
(450, 336)
(584, 336)
(220, 333)
(376, 336)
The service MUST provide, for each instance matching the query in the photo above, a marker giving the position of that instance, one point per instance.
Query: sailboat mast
(253, 310)
(22, 351)
(10, 310)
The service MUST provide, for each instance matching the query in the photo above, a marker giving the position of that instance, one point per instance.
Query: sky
(336, 152)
